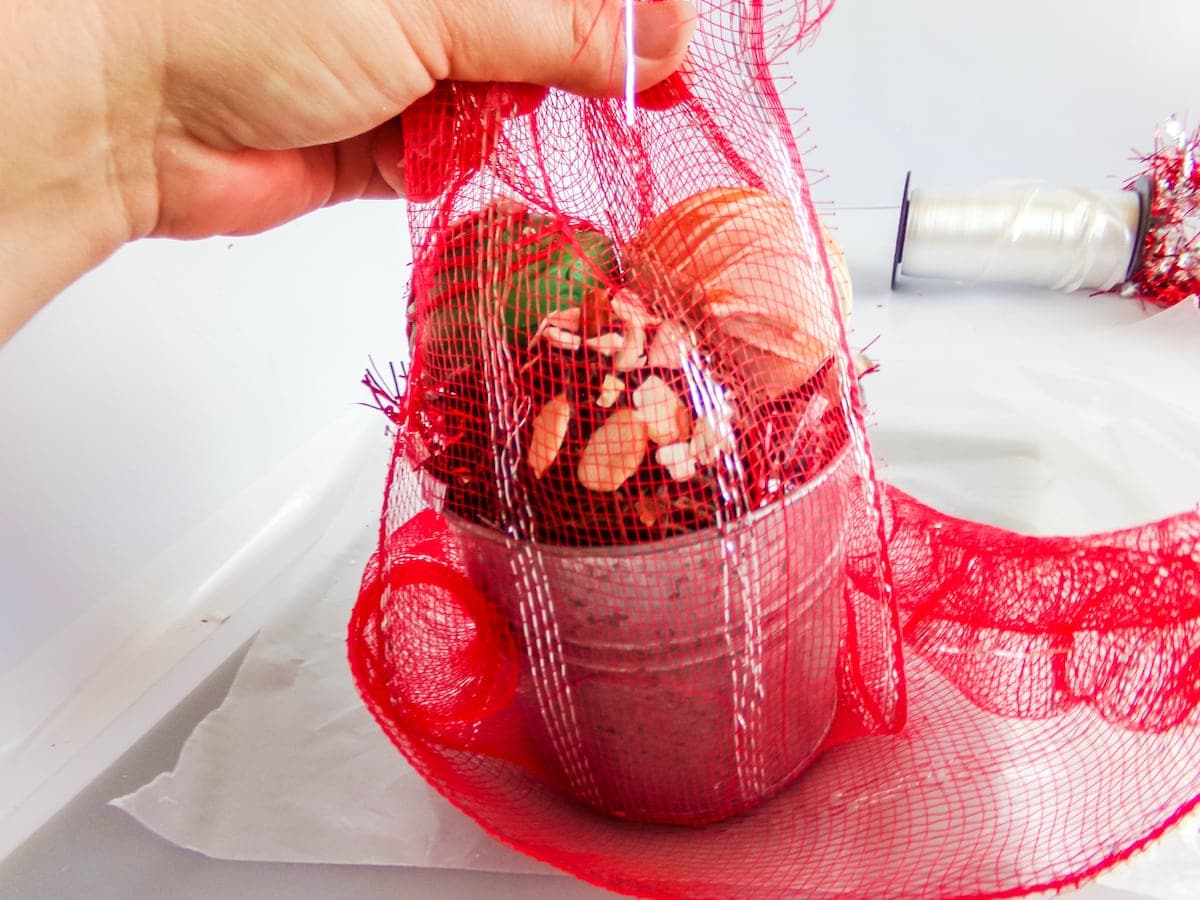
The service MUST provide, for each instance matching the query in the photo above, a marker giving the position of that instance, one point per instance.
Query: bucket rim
(666, 544)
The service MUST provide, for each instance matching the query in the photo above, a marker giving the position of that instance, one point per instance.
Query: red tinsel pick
(1169, 269)
(387, 397)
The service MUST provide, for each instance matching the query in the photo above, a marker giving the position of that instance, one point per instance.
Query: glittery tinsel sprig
(1169, 268)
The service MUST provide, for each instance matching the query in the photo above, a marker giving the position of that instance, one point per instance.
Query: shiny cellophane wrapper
(655, 582)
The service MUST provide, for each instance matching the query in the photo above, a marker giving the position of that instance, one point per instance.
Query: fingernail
(662, 30)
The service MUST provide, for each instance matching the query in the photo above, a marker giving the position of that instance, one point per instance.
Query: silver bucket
(692, 677)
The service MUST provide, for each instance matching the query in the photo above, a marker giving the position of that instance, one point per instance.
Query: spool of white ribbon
(1022, 233)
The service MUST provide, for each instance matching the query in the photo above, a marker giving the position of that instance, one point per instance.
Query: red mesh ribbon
(655, 575)
(1034, 627)
(1047, 737)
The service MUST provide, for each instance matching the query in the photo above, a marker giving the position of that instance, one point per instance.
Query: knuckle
(587, 21)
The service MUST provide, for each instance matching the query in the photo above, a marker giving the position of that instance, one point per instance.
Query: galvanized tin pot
(682, 681)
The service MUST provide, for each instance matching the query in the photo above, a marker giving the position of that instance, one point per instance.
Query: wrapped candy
(654, 581)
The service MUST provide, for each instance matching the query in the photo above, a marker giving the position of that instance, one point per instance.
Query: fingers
(248, 191)
(387, 149)
(578, 45)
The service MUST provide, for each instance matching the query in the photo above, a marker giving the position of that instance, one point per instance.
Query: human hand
(191, 118)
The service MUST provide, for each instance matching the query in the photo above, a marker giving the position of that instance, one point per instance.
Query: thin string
(630, 67)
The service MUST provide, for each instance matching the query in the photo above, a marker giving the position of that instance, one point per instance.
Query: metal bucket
(693, 677)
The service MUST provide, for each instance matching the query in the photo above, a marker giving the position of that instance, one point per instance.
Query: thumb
(578, 45)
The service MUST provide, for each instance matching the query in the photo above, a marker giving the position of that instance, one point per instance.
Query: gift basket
(655, 620)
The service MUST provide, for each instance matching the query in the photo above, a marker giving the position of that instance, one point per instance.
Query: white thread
(630, 66)
(1036, 235)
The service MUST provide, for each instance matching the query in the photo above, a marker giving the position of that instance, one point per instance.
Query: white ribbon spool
(1022, 233)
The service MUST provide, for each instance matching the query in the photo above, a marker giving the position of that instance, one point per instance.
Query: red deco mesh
(648, 622)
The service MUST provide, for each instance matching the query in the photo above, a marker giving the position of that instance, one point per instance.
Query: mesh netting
(654, 582)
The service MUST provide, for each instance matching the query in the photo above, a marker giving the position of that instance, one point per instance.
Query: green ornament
(523, 264)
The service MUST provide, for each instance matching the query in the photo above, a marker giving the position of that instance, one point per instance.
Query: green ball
(519, 265)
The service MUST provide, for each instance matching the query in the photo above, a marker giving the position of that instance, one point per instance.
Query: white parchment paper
(1096, 432)
(292, 768)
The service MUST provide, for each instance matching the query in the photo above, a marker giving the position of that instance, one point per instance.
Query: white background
(168, 382)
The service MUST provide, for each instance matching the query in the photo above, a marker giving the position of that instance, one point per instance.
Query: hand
(190, 118)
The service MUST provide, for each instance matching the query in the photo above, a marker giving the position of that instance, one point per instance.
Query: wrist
(74, 176)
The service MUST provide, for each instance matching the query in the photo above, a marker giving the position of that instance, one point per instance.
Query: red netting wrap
(647, 622)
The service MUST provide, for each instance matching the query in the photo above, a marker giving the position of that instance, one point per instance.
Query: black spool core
(901, 231)
(1144, 188)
